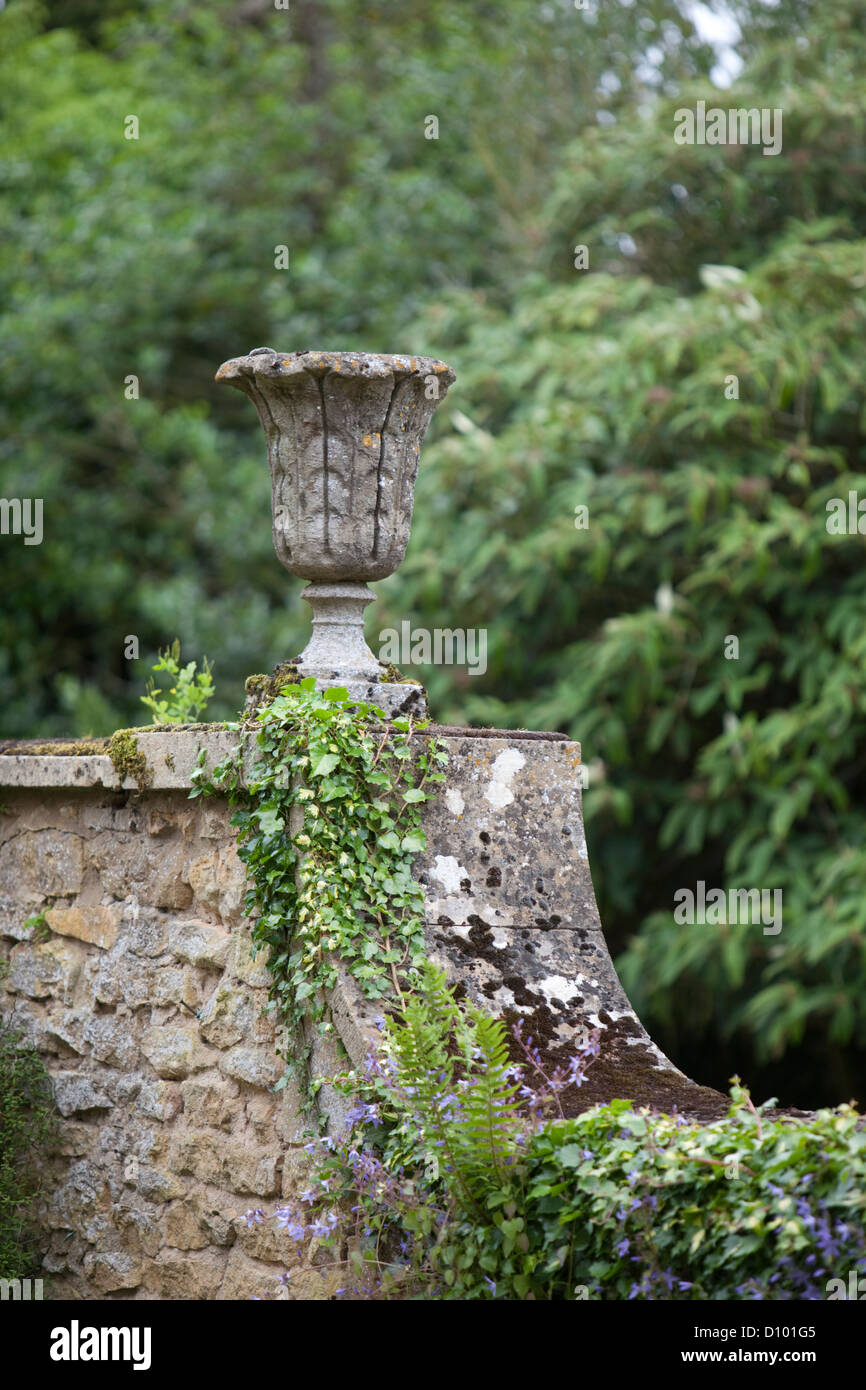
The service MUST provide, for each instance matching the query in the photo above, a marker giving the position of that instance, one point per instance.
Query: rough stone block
(165, 822)
(247, 1170)
(315, 1286)
(212, 820)
(111, 1041)
(246, 1278)
(211, 1102)
(259, 1113)
(102, 815)
(255, 1066)
(147, 930)
(159, 1100)
(297, 1170)
(104, 979)
(97, 925)
(185, 1275)
(243, 965)
(151, 982)
(77, 1138)
(83, 1192)
(63, 1031)
(108, 1271)
(218, 881)
(183, 1229)
(228, 1016)
(174, 1052)
(289, 1122)
(76, 1094)
(200, 944)
(266, 1241)
(198, 1154)
(41, 971)
(153, 873)
(140, 1230)
(221, 1161)
(43, 864)
(219, 1226)
(159, 1184)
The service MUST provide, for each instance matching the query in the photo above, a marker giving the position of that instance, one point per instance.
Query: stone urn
(344, 432)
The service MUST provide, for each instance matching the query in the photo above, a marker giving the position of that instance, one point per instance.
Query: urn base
(395, 698)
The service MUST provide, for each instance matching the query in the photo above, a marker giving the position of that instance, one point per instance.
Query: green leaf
(325, 764)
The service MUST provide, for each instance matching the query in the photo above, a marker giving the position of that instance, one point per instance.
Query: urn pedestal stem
(337, 647)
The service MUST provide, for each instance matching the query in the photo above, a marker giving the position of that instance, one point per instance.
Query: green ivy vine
(328, 822)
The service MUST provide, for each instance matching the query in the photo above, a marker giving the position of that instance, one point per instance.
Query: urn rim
(269, 363)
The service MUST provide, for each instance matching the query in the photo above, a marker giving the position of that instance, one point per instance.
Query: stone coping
(171, 756)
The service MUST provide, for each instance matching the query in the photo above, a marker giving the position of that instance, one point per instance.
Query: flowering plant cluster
(616, 1204)
(432, 1155)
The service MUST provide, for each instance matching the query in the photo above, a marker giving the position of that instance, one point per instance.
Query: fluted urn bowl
(344, 433)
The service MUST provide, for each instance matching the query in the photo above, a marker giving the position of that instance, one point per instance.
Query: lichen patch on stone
(504, 769)
(449, 873)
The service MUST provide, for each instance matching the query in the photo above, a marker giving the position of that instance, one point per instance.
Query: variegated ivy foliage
(328, 824)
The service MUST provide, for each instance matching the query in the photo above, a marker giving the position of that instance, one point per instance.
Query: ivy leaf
(326, 764)
(413, 842)
(270, 822)
(414, 794)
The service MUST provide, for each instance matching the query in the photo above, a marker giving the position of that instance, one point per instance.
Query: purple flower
(287, 1221)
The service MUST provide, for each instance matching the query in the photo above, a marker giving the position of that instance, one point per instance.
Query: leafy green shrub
(27, 1119)
(628, 1204)
(187, 698)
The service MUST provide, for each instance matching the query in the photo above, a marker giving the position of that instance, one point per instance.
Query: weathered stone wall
(147, 1006)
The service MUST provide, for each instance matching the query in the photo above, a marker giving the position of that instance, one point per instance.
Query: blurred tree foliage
(603, 388)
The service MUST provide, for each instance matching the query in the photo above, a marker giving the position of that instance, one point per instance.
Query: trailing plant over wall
(328, 825)
(27, 1118)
